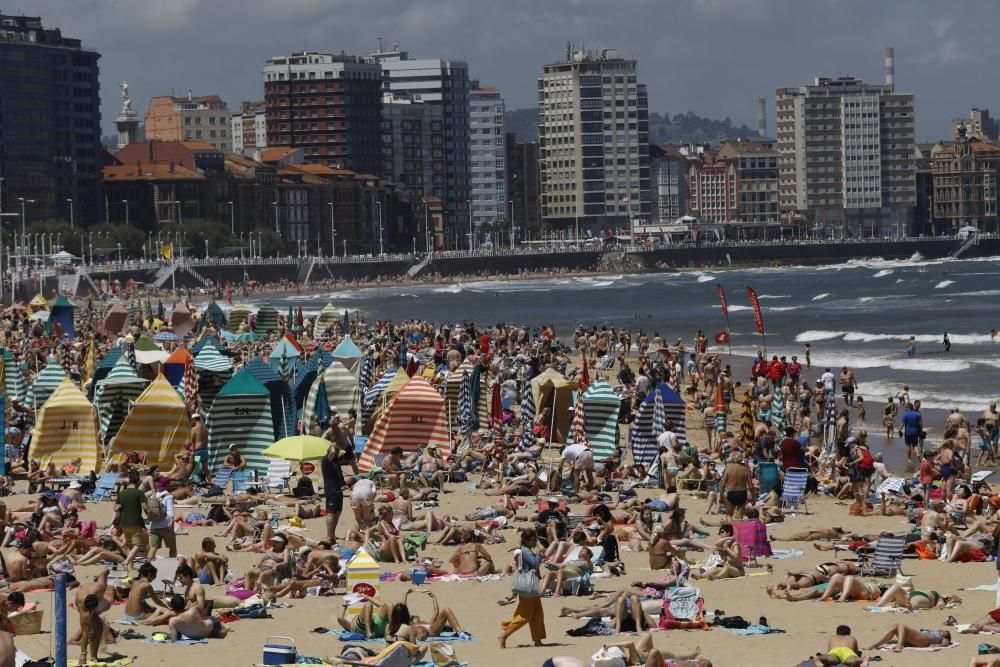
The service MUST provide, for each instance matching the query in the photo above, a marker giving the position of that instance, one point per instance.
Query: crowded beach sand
(796, 631)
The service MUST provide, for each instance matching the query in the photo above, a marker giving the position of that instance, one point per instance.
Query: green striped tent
(305, 377)
(45, 383)
(267, 320)
(114, 395)
(214, 370)
(237, 316)
(600, 410)
(342, 388)
(282, 408)
(314, 408)
(103, 369)
(327, 318)
(15, 386)
(241, 415)
(205, 341)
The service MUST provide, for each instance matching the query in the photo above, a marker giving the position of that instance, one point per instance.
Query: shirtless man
(842, 649)
(935, 520)
(199, 441)
(189, 623)
(472, 558)
(431, 468)
(8, 653)
(210, 566)
(183, 467)
(19, 563)
(194, 592)
(137, 609)
(847, 385)
(97, 589)
(735, 483)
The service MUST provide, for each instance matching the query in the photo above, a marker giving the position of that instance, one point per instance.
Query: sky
(713, 57)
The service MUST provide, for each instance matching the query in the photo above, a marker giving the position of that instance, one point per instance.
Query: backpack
(154, 508)
(867, 462)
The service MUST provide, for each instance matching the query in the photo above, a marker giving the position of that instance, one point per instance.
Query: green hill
(681, 128)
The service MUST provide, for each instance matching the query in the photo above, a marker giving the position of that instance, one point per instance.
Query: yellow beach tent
(67, 429)
(551, 389)
(157, 425)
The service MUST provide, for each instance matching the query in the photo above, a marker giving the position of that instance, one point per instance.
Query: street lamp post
(70, 202)
(472, 237)
(23, 202)
(511, 224)
(275, 205)
(381, 246)
(232, 220)
(125, 204)
(333, 232)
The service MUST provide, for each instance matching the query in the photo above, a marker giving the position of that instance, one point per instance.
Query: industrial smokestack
(890, 69)
(762, 116)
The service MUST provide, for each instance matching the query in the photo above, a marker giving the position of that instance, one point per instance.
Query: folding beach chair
(242, 480)
(104, 489)
(751, 535)
(279, 471)
(767, 476)
(222, 476)
(793, 492)
(887, 558)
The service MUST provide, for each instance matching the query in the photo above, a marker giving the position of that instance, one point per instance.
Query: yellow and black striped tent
(67, 429)
(157, 426)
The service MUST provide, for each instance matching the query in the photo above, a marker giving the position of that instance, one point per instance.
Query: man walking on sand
(333, 489)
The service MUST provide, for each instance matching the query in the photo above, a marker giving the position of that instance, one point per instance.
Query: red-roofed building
(965, 177)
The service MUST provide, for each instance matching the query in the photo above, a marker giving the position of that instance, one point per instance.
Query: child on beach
(861, 409)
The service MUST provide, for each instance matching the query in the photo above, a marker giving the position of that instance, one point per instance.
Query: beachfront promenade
(193, 271)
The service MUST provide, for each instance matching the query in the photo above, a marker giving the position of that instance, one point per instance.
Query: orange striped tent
(416, 418)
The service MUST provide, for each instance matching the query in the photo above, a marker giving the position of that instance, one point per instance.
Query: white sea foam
(899, 280)
(448, 289)
(930, 365)
(736, 309)
(779, 309)
(864, 337)
(883, 273)
(815, 335)
(773, 296)
(944, 283)
(820, 297)
(876, 391)
(706, 279)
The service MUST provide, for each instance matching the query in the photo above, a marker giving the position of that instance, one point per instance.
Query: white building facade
(487, 160)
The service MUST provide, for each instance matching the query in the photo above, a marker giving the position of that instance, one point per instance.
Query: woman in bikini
(903, 595)
(728, 549)
(471, 558)
(904, 637)
(392, 548)
(853, 587)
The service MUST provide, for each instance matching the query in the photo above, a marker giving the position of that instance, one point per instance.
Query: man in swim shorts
(842, 649)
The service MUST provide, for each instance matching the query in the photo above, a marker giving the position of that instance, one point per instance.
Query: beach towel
(683, 608)
(929, 649)
(755, 630)
(752, 538)
(781, 554)
(120, 662)
(184, 641)
(345, 636)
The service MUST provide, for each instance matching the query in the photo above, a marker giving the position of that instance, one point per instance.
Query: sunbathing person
(138, 609)
(391, 545)
(842, 649)
(109, 551)
(273, 565)
(210, 566)
(606, 605)
(403, 626)
(642, 652)
(904, 596)
(557, 574)
(190, 623)
(728, 549)
(371, 622)
(472, 558)
(972, 549)
(989, 624)
(904, 636)
(853, 587)
(834, 533)
(630, 616)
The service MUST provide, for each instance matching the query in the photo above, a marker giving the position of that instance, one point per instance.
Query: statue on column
(126, 100)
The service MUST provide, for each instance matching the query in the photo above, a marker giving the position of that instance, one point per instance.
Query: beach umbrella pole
(60, 629)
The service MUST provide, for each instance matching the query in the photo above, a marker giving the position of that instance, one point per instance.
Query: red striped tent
(416, 418)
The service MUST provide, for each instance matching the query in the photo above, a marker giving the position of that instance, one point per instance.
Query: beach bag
(211, 492)
(217, 514)
(443, 655)
(867, 462)
(526, 583)
(154, 508)
(608, 657)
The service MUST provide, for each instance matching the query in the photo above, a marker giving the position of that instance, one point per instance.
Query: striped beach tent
(350, 356)
(372, 398)
(205, 341)
(157, 426)
(305, 378)
(342, 388)
(327, 318)
(116, 319)
(642, 438)
(104, 368)
(527, 419)
(148, 352)
(181, 320)
(282, 408)
(62, 313)
(45, 383)
(415, 419)
(176, 364)
(213, 315)
(465, 420)
(396, 382)
(15, 386)
(114, 394)
(285, 358)
(315, 408)
(241, 415)
(453, 388)
(214, 370)
(67, 429)
(601, 405)
(552, 390)
(237, 316)
(266, 320)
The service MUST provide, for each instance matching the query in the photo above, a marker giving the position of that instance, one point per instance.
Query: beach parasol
(247, 337)
(166, 336)
(465, 418)
(298, 448)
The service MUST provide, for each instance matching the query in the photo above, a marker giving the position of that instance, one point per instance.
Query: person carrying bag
(527, 587)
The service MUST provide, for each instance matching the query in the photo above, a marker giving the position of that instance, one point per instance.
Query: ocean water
(859, 314)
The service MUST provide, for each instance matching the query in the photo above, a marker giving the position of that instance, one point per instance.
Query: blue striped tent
(113, 397)
(283, 411)
(349, 355)
(600, 410)
(305, 378)
(214, 370)
(46, 382)
(15, 385)
(266, 320)
(642, 438)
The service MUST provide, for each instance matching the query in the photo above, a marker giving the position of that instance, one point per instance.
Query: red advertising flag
(758, 318)
(722, 298)
(722, 337)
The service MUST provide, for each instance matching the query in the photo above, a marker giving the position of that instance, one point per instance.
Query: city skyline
(713, 57)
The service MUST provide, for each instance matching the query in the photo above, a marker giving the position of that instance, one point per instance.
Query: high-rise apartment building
(488, 158)
(593, 138)
(413, 145)
(248, 129)
(328, 105)
(445, 83)
(190, 118)
(756, 165)
(50, 123)
(846, 165)
(522, 182)
(668, 174)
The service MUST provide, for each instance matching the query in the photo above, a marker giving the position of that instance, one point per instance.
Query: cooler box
(280, 651)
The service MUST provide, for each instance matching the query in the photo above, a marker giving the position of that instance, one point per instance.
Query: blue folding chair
(222, 476)
(793, 492)
(104, 489)
(242, 480)
(767, 476)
